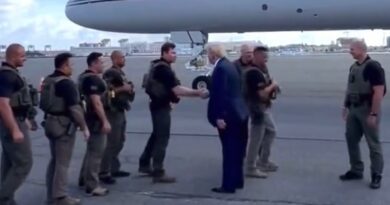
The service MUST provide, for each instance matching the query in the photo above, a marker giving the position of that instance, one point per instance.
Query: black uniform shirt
(254, 80)
(374, 73)
(66, 89)
(165, 75)
(92, 85)
(9, 82)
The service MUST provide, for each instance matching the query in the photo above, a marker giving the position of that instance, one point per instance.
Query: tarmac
(310, 148)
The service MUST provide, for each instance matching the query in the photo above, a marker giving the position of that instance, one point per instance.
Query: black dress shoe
(351, 176)
(120, 174)
(240, 187)
(375, 181)
(223, 190)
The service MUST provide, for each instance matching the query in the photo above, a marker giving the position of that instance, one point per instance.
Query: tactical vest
(21, 99)
(247, 95)
(359, 90)
(87, 103)
(50, 103)
(118, 101)
(154, 88)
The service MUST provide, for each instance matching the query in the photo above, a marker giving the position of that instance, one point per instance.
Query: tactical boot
(255, 173)
(145, 170)
(268, 167)
(98, 191)
(164, 179)
(375, 181)
(350, 175)
(106, 178)
(68, 201)
(120, 174)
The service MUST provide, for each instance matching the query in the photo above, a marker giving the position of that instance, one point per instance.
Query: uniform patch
(94, 87)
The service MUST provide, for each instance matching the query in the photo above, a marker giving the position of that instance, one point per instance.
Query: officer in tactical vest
(15, 101)
(163, 88)
(122, 94)
(94, 94)
(258, 90)
(60, 102)
(362, 111)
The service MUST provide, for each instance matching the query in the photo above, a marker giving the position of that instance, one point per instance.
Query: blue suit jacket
(226, 101)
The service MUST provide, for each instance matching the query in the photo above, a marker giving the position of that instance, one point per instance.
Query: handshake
(203, 93)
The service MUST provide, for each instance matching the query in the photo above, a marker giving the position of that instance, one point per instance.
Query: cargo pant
(157, 144)
(261, 137)
(115, 142)
(90, 169)
(356, 126)
(16, 161)
(61, 150)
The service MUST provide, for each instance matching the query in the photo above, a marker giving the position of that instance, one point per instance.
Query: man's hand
(204, 93)
(371, 121)
(106, 128)
(86, 134)
(345, 113)
(128, 87)
(17, 136)
(221, 124)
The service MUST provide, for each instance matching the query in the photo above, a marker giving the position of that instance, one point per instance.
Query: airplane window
(265, 7)
(299, 10)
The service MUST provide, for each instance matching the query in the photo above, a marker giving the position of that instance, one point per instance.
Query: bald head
(358, 50)
(118, 59)
(246, 53)
(214, 52)
(15, 55)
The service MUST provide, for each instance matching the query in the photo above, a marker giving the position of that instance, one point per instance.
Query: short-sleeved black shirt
(165, 75)
(92, 85)
(374, 73)
(254, 80)
(66, 89)
(9, 82)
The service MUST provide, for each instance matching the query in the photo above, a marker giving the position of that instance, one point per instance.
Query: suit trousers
(233, 139)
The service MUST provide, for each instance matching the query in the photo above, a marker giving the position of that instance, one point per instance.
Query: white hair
(246, 48)
(360, 44)
(216, 49)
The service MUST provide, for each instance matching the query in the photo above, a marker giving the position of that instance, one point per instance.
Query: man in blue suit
(228, 112)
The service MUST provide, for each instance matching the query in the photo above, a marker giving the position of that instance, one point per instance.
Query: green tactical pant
(158, 141)
(89, 172)
(115, 142)
(355, 128)
(61, 149)
(261, 137)
(16, 161)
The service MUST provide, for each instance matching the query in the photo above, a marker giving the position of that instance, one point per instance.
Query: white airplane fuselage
(215, 16)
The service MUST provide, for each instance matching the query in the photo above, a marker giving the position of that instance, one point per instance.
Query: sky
(43, 22)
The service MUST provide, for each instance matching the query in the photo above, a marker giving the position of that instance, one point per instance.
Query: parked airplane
(206, 16)
(196, 18)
